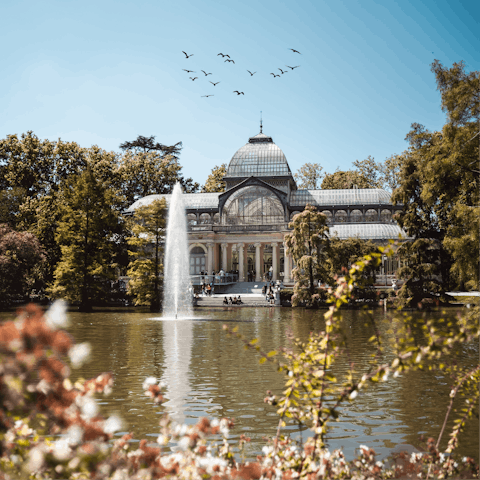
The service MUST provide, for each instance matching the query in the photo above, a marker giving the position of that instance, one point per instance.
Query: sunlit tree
(146, 242)
(309, 246)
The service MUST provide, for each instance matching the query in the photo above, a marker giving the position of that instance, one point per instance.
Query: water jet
(177, 302)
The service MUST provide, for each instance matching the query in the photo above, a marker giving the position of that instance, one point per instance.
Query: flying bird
(252, 74)
(228, 60)
(206, 74)
(274, 75)
(238, 93)
(207, 96)
(214, 83)
(187, 55)
(292, 67)
(223, 55)
(294, 51)
(283, 71)
(188, 71)
(193, 79)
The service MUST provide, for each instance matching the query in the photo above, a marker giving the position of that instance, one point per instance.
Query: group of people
(207, 288)
(269, 291)
(234, 301)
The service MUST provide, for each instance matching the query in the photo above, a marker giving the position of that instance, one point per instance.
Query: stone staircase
(250, 293)
(247, 301)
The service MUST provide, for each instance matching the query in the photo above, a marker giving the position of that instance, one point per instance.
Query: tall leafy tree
(215, 181)
(21, 264)
(371, 170)
(87, 222)
(309, 176)
(146, 242)
(148, 144)
(309, 245)
(346, 179)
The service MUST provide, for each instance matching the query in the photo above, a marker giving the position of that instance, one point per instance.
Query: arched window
(356, 216)
(329, 215)
(253, 206)
(205, 219)
(216, 219)
(340, 216)
(191, 219)
(386, 216)
(371, 215)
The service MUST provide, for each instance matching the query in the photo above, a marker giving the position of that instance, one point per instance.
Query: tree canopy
(146, 242)
(85, 234)
(21, 263)
(346, 179)
(214, 182)
(309, 176)
(308, 244)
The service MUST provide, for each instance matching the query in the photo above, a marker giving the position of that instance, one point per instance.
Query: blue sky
(102, 72)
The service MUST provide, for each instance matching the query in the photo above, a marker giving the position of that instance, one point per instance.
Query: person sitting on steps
(239, 300)
(225, 301)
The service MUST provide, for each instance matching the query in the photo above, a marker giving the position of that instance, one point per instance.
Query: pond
(208, 373)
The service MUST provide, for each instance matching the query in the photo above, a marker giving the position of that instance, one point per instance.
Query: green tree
(309, 246)
(426, 263)
(87, 222)
(439, 183)
(371, 170)
(215, 181)
(344, 253)
(347, 179)
(309, 176)
(148, 235)
(21, 264)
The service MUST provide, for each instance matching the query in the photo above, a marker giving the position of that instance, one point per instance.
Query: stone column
(241, 266)
(210, 258)
(274, 261)
(258, 263)
(224, 257)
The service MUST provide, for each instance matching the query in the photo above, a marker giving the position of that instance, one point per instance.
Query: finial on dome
(261, 124)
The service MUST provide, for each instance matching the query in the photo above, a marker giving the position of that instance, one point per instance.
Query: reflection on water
(177, 347)
(210, 374)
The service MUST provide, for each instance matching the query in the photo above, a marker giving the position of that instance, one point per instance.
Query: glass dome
(253, 206)
(259, 157)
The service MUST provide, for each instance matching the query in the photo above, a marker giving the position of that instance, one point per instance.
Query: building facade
(242, 230)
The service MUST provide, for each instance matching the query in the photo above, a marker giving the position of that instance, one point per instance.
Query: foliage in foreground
(39, 402)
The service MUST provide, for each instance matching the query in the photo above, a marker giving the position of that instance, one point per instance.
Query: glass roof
(191, 200)
(352, 196)
(368, 231)
(260, 157)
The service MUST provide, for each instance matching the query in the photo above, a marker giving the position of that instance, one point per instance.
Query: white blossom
(61, 449)
(184, 443)
(353, 395)
(74, 435)
(112, 424)
(36, 457)
(79, 353)
(162, 440)
(56, 315)
(89, 408)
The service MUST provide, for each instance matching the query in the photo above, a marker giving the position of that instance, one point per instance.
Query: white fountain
(177, 298)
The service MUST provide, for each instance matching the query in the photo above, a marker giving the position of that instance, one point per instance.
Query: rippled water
(210, 374)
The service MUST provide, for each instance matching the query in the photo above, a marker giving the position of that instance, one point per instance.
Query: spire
(261, 124)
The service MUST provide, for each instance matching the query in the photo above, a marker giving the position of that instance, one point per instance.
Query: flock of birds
(228, 59)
